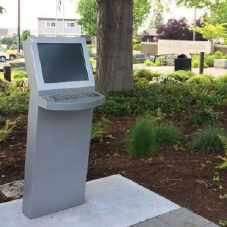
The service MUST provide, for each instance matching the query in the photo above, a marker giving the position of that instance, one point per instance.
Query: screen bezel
(41, 85)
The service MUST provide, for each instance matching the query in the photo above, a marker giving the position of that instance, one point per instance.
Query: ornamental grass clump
(208, 141)
(141, 141)
(148, 135)
(167, 134)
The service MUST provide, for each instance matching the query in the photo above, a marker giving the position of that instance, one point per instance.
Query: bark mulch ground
(184, 178)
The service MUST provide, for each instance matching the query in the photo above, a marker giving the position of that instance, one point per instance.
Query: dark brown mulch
(186, 179)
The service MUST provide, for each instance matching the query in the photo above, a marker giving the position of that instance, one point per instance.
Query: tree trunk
(114, 45)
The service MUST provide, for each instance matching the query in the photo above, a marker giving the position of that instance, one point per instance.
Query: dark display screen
(62, 62)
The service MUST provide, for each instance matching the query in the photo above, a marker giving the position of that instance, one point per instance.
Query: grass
(6, 130)
(141, 141)
(208, 141)
(148, 135)
(99, 128)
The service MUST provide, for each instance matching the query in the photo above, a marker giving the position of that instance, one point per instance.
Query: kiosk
(62, 98)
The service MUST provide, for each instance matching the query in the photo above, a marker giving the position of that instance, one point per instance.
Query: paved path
(169, 69)
(177, 218)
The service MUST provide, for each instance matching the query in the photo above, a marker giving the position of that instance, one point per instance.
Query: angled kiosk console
(62, 98)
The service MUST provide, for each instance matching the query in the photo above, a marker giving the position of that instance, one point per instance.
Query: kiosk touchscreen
(62, 98)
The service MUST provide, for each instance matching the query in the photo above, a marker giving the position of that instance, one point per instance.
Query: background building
(51, 26)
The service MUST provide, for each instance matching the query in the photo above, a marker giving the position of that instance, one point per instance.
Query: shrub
(3, 85)
(148, 62)
(141, 141)
(148, 135)
(99, 128)
(166, 134)
(168, 97)
(177, 30)
(208, 141)
(142, 73)
(201, 80)
(195, 63)
(205, 116)
(160, 61)
(218, 55)
(181, 75)
(209, 60)
(19, 75)
(146, 74)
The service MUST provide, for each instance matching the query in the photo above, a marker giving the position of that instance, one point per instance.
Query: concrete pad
(183, 218)
(111, 202)
(178, 218)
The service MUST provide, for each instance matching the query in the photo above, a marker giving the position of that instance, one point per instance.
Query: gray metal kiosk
(62, 98)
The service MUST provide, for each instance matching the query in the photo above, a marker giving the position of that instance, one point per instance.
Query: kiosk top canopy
(58, 64)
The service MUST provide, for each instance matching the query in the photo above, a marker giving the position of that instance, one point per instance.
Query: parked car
(7, 55)
(12, 54)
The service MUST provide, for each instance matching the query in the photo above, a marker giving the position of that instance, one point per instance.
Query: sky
(32, 9)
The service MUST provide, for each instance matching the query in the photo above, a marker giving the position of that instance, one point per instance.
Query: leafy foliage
(205, 116)
(11, 42)
(19, 75)
(168, 97)
(140, 12)
(177, 30)
(211, 31)
(201, 79)
(87, 10)
(157, 10)
(99, 128)
(15, 98)
(195, 3)
(25, 35)
(219, 13)
(147, 74)
(181, 75)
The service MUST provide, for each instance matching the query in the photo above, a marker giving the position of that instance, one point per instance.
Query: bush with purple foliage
(178, 30)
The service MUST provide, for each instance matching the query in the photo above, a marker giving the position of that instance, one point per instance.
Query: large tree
(88, 14)
(87, 10)
(219, 13)
(114, 45)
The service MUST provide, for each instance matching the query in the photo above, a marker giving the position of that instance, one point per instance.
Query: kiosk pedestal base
(57, 159)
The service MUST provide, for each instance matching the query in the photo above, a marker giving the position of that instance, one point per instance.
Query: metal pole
(194, 30)
(201, 65)
(18, 27)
